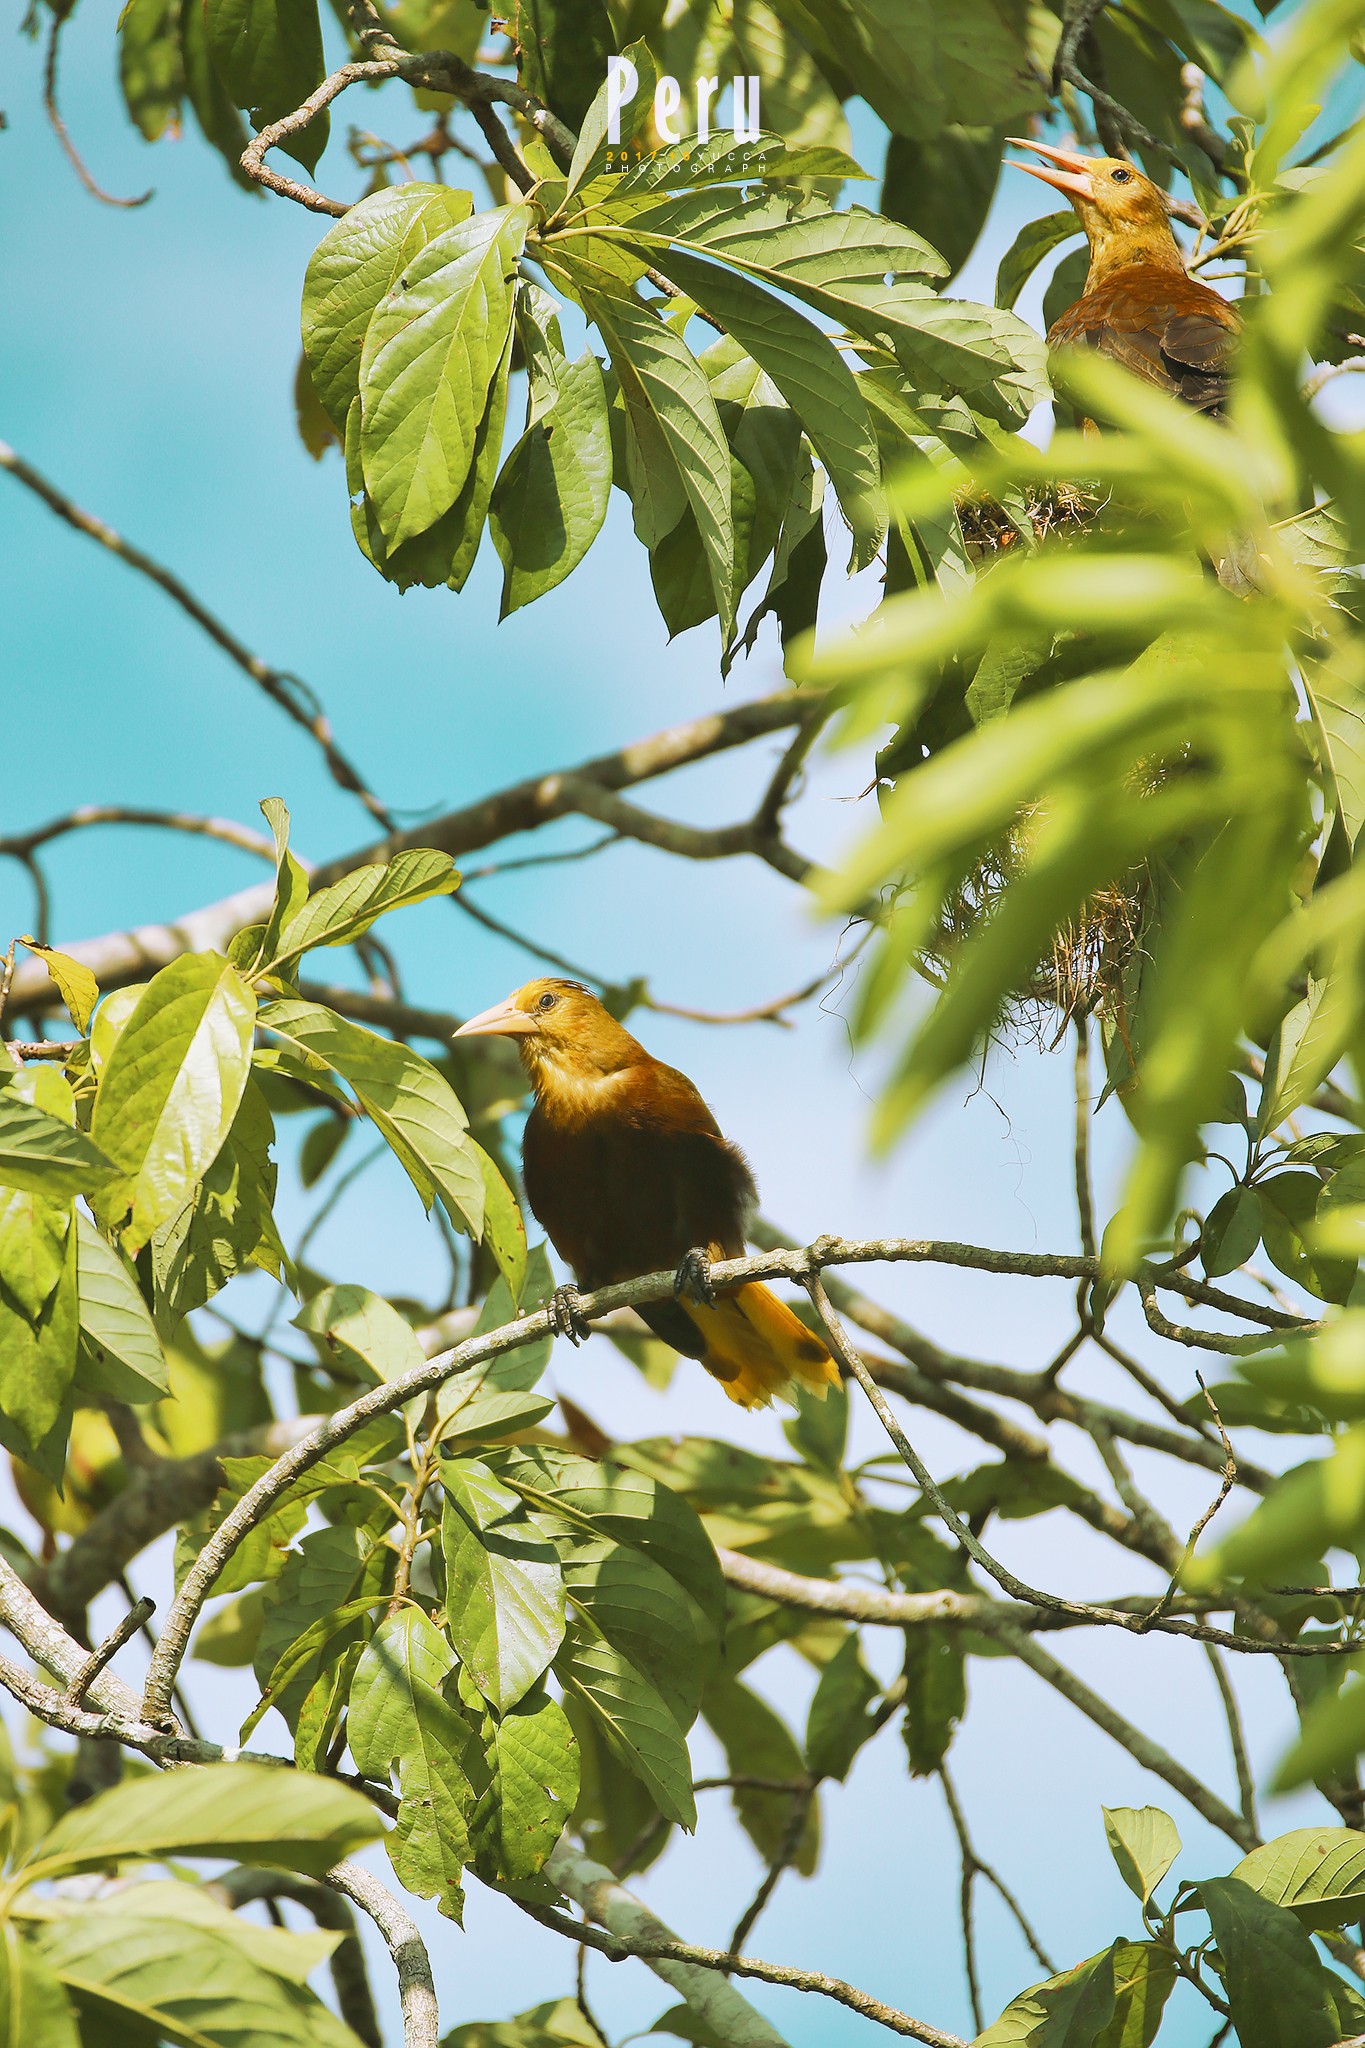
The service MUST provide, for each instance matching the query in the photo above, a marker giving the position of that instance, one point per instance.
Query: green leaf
(504, 1588)
(341, 913)
(677, 451)
(400, 1713)
(503, 1230)
(1332, 1736)
(149, 66)
(935, 1695)
(1231, 1233)
(291, 881)
(1073, 2010)
(35, 2011)
(1144, 1977)
(79, 989)
(921, 66)
(811, 375)
(286, 1819)
(758, 1744)
(1034, 242)
(1318, 1873)
(37, 1342)
(219, 121)
(268, 54)
(524, 1770)
(301, 1657)
(336, 1569)
(45, 1156)
(551, 497)
(839, 1723)
(351, 270)
(637, 1725)
(170, 1088)
(431, 351)
(121, 1354)
(1144, 1842)
(404, 1095)
(563, 47)
(592, 146)
(942, 186)
(228, 1223)
(166, 1961)
(1277, 1988)
(354, 1320)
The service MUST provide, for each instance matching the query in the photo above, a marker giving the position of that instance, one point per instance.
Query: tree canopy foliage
(1123, 679)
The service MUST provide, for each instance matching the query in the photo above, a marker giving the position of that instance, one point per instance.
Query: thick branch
(416, 1986)
(120, 957)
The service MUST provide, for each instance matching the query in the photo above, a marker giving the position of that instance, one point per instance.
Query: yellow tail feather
(756, 1347)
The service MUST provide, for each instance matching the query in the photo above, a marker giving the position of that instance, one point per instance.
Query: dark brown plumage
(629, 1173)
(1140, 305)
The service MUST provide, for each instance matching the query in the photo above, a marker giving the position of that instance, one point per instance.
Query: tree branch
(635, 1931)
(286, 691)
(120, 957)
(416, 1986)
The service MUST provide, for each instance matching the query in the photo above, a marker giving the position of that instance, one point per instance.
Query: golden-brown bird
(628, 1171)
(1140, 304)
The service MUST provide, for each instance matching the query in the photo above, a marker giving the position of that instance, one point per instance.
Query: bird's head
(564, 1034)
(1121, 210)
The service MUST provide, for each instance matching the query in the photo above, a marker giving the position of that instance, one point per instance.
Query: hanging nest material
(1094, 964)
(989, 529)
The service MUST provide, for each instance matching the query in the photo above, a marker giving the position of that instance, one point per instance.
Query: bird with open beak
(629, 1173)
(1140, 305)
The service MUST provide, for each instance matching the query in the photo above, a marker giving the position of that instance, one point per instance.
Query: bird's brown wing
(634, 1185)
(1173, 332)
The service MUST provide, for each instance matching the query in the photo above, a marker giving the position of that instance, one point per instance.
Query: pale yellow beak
(1073, 172)
(504, 1020)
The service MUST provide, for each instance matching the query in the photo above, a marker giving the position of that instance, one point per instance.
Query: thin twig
(60, 16)
(1246, 1785)
(288, 692)
(141, 1611)
(784, 1856)
(1163, 1605)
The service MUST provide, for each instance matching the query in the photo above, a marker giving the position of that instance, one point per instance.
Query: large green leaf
(838, 1723)
(352, 1319)
(1276, 1986)
(942, 186)
(432, 348)
(1072, 2010)
(920, 65)
(228, 1223)
(811, 375)
(268, 54)
(341, 913)
(504, 1587)
(34, 2009)
(121, 1354)
(677, 451)
(1318, 1873)
(354, 266)
(170, 1088)
(166, 1961)
(1034, 242)
(218, 119)
(563, 46)
(287, 1819)
(551, 497)
(401, 1713)
(326, 1593)
(524, 1770)
(637, 1726)
(45, 1155)
(37, 1341)
(407, 1098)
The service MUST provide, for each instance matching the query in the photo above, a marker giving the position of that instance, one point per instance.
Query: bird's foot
(566, 1317)
(692, 1281)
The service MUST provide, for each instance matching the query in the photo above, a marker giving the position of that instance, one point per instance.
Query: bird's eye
(547, 1001)
(1121, 177)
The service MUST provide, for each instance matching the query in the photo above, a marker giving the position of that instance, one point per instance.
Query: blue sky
(148, 365)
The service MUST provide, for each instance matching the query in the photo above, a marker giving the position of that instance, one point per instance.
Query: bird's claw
(693, 1279)
(566, 1316)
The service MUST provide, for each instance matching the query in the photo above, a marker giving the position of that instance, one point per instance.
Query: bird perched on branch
(628, 1171)
(1140, 304)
